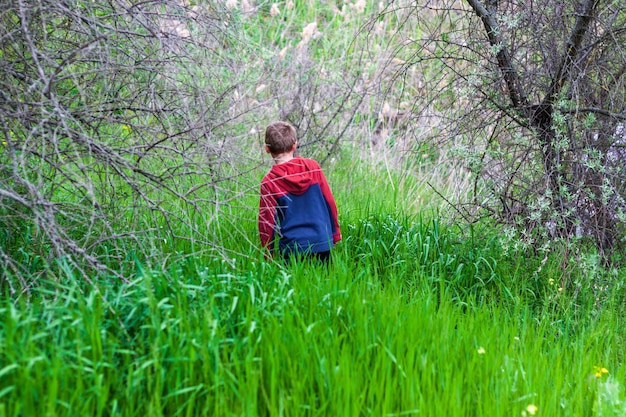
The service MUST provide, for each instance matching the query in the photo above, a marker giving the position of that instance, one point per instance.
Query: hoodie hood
(292, 176)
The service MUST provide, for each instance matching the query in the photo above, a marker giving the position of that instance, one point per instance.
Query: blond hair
(280, 137)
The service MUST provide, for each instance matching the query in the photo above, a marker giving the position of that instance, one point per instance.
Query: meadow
(418, 314)
(413, 317)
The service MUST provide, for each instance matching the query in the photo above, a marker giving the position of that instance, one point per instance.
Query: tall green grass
(409, 319)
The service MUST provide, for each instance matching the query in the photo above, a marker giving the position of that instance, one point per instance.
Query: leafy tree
(533, 95)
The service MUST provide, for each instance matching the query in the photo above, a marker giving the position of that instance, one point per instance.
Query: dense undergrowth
(418, 314)
(413, 317)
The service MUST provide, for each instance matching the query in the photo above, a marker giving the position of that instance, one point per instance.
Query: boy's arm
(267, 211)
(332, 206)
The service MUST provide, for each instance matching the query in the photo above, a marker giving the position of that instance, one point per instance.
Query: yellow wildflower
(532, 409)
(600, 371)
(481, 350)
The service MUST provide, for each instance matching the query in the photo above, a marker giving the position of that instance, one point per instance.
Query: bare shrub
(110, 117)
(132, 130)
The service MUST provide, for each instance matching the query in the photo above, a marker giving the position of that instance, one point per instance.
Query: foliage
(106, 106)
(532, 98)
(402, 329)
(128, 129)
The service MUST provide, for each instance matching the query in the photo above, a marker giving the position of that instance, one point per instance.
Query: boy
(297, 211)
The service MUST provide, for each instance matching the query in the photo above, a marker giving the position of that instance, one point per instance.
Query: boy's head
(280, 137)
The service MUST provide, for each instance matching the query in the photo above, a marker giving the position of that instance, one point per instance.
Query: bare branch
(572, 49)
(505, 61)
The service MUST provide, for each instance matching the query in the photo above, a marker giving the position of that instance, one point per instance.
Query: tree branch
(505, 61)
(572, 48)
